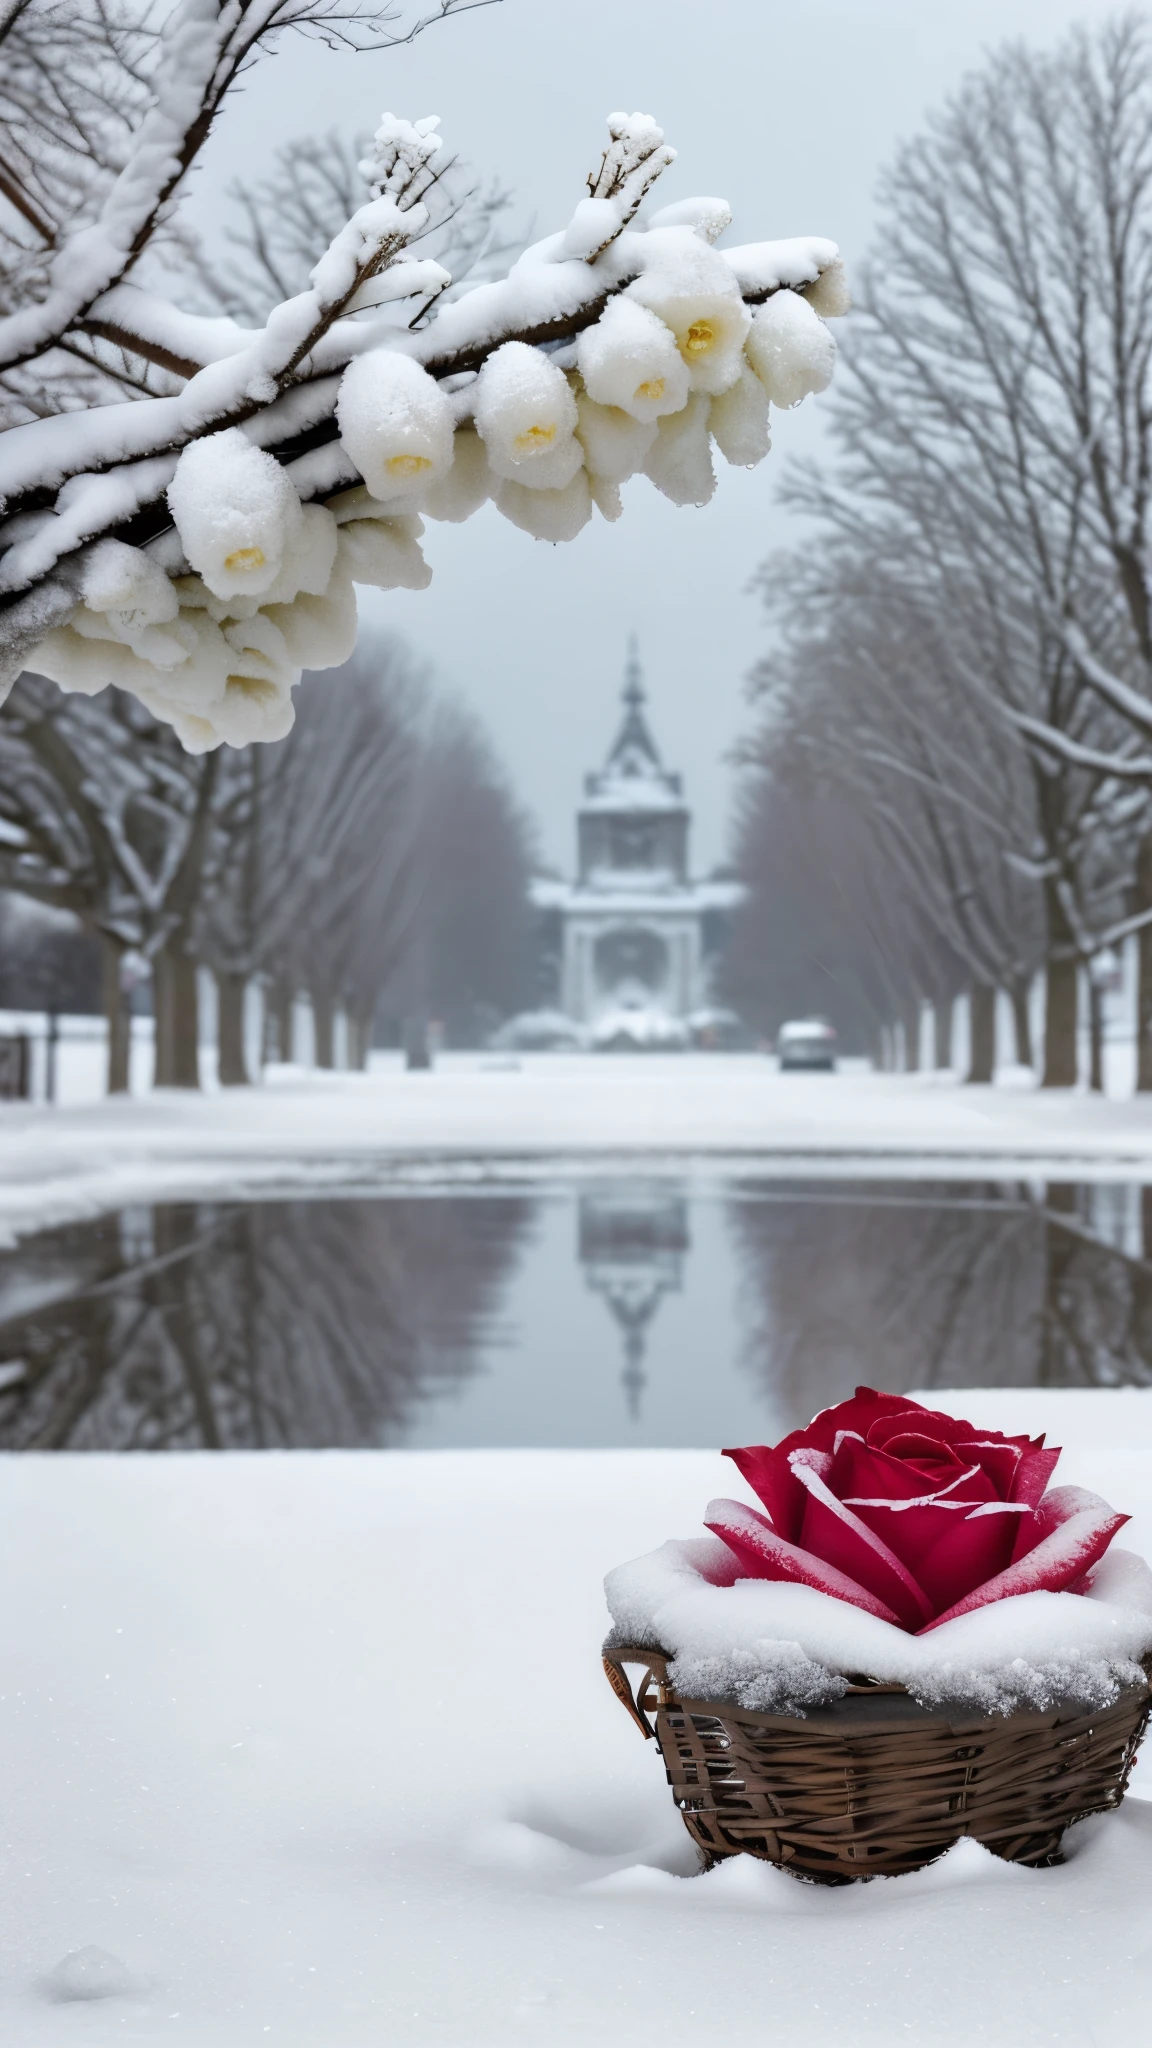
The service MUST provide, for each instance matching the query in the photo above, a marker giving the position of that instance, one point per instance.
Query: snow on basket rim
(771, 1646)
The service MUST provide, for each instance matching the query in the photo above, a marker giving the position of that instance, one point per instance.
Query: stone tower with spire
(633, 931)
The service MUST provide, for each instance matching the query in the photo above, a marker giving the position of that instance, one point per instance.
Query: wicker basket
(876, 1784)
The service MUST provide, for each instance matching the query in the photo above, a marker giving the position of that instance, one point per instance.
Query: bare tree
(108, 817)
(995, 433)
(472, 932)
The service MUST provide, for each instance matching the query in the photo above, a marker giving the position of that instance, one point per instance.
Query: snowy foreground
(316, 1749)
(478, 1116)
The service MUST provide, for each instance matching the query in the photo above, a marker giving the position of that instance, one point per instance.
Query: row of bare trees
(373, 862)
(952, 763)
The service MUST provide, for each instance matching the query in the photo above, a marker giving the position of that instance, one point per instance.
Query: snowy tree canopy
(198, 546)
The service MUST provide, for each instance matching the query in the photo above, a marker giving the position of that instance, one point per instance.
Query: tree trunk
(323, 1021)
(161, 1023)
(177, 1007)
(1144, 983)
(1022, 1025)
(1061, 1002)
(912, 1037)
(117, 1015)
(944, 1007)
(233, 1066)
(417, 1051)
(982, 1032)
(280, 1022)
(359, 1039)
(1095, 1037)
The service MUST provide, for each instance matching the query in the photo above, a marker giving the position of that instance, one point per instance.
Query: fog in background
(789, 114)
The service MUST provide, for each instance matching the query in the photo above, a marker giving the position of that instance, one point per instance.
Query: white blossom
(680, 459)
(395, 424)
(128, 585)
(467, 485)
(526, 416)
(235, 511)
(606, 496)
(738, 421)
(308, 563)
(254, 699)
(615, 444)
(830, 296)
(83, 665)
(790, 349)
(547, 515)
(694, 291)
(629, 359)
(319, 631)
(384, 552)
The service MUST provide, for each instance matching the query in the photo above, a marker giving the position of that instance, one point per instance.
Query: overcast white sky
(788, 111)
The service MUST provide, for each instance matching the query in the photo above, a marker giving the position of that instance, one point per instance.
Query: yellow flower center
(256, 688)
(652, 388)
(407, 465)
(535, 438)
(244, 558)
(699, 338)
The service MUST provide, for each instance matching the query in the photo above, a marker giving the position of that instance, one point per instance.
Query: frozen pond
(564, 1312)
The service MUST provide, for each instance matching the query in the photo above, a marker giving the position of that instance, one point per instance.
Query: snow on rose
(914, 1516)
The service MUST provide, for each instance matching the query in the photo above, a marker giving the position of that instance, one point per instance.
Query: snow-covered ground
(318, 1749)
(478, 1115)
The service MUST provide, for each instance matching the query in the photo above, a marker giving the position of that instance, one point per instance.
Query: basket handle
(641, 1703)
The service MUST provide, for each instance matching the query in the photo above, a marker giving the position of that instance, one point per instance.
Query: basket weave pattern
(876, 1784)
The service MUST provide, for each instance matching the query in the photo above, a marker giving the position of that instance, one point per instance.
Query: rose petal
(768, 1556)
(771, 1478)
(766, 1467)
(969, 1551)
(1032, 1475)
(946, 1429)
(857, 1469)
(1054, 1564)
(1054, 1507)
(834, 1532)
(1000, 1462)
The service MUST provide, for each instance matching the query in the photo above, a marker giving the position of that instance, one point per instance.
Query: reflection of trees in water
(271, 1324)
(905, 1287)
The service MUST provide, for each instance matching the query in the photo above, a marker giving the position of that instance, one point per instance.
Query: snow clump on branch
(213, 540)
(526, 417)
(790, 350)
(235, 511)
(630, 359)
(395, 424)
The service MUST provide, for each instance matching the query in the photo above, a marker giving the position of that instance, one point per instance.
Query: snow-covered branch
(199, 548)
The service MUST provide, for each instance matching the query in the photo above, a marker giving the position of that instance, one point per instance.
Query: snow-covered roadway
(478, 1115)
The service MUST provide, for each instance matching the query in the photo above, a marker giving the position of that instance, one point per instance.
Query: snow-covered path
(317, 1746)
(475, 1114)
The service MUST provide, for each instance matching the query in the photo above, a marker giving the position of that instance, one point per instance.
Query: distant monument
(633, 930)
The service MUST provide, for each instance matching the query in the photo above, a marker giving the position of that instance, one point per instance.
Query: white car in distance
(807, 1044)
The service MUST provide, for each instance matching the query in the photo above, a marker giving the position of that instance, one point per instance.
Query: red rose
(914, 1516)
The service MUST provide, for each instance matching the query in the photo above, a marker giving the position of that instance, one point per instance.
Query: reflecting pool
(583, 1312)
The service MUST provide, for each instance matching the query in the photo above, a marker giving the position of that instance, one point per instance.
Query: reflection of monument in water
(632, 1246)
